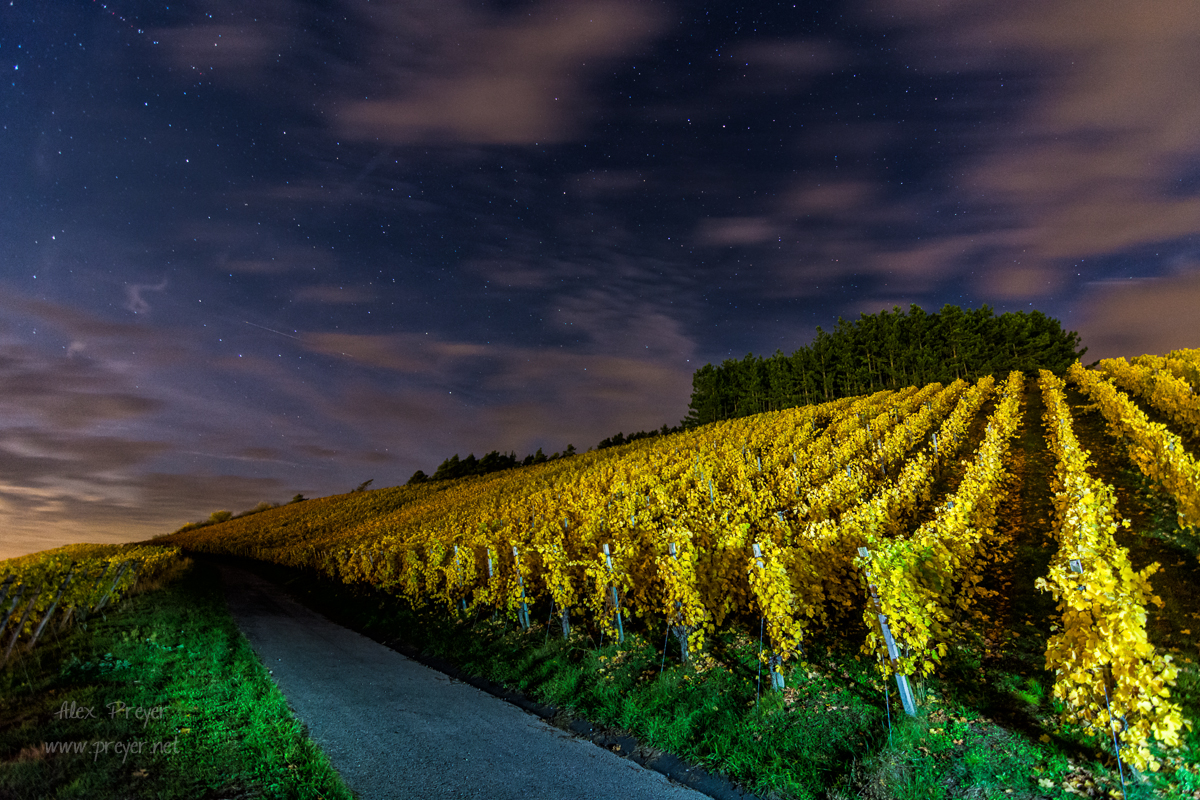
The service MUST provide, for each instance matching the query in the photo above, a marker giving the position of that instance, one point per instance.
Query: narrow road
(394, 728)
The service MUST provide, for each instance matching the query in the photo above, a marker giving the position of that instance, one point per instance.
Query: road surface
(394, 728)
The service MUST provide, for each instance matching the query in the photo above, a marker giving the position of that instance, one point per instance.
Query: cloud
(400, 352)
(1133, 317)
(627, 370)
(585, 399)
(830, 197)
(535, 398)
(725, 231)
(782, 66)
(1089, 154)
(613, 323)
(60, 487)
(235, 50)
(792, 57)
(513, 273)
(1091, 164)
(277, 262)
(1021, 282)
(239, 52)
(489, 80)
(37, 455)
(69, 392)
(133, 295)
(39, 518)
(80, 325)
(241, 245)
(333, 295)
(87, 454)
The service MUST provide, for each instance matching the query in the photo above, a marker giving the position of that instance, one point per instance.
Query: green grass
(220, 727)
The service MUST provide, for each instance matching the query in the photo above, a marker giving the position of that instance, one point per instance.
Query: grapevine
(1166, 393)
(923, 578)
(1107, 672)
(1158, 453)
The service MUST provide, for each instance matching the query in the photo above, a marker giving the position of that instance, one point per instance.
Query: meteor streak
(272, 330)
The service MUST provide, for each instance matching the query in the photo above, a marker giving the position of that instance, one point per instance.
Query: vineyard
(76, 581)
(790, 525)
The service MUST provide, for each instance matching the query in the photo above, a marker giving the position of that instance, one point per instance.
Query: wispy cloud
(1134, 316)
(133, 295)
(488, 79)
(1090, 165)
(333, 295)
(725, 231)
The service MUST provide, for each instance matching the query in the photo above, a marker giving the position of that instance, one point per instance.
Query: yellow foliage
(1106, 669)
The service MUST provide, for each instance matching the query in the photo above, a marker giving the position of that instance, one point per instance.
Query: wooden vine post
(565, 611)
(50, 611)
(16, 601)
(491, 574)
(616, 600)
(681, 630)
(21, 625)
(1106, 677)
(4, 587)
(906, 694)
(117, 579)
(774, 661)
(523, 611)
(462, 601)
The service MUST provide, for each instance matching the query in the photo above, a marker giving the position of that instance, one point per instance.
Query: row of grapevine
(821, 555)
(745, 531)
(75, 581)
(1171, 396)
(808, 573)
(1158, 453)
(1183, 364)
(852, 439)
(921, 579)
(1105, 669)
(680, 519)
(700, 499)
(751, 518)
(640, 506)
(847, 485)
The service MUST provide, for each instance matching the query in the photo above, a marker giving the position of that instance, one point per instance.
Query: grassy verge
(161, 697)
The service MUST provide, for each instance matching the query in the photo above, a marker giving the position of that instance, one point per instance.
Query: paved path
(394, 728)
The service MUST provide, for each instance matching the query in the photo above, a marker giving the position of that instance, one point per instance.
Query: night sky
(251, 249)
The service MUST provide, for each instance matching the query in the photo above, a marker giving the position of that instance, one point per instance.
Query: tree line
(888, 350)
(495, 461)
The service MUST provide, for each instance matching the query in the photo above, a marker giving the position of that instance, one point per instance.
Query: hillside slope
(759, 519)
